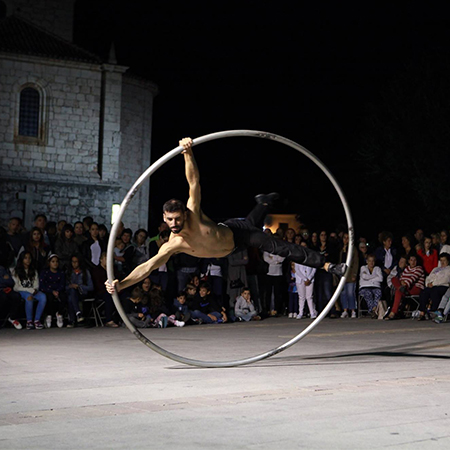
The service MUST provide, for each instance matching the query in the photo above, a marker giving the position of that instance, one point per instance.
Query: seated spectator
(181, 308)
(38, 249)
(13, 235)
(206, 308)
(304, 280)
(79, 236)
(411, 282)
(141, 254)
(244, 309)
(443, 242)
(52, 283)
(146, 285)
(99, 277)
(92, 248)
(8, 296)
(443, 308)
(191, 293)
(396, 272)
(160, 313)
(436, 285)
(137, 310)
(78, 285)
(66, 246)
(428, 255)
(348, 297)
(370, 280)
(26, 283)
(385, 255)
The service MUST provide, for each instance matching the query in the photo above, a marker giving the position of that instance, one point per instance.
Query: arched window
(29, 112)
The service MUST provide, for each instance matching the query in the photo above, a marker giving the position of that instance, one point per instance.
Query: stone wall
(136, 127)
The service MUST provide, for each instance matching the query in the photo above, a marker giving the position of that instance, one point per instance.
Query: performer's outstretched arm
(143, 270)
(192, 176)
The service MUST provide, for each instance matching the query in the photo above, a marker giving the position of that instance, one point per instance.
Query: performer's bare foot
(267, 199)
(336, 269)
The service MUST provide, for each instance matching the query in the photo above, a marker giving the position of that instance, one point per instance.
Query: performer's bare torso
(201, 237)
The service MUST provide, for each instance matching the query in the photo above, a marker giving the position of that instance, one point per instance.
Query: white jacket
(25, 285)
(304, 273)
(275, 264)
(367, 279)
(439, 276)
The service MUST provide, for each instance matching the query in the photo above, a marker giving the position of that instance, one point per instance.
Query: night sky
(308, 73)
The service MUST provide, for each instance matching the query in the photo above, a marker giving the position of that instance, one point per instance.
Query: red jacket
(429, 262)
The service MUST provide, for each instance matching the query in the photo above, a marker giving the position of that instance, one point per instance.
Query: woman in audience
(370, 280)
(324, 280)
(92, 248)
(65, 246)
(79, 237)
(408, 250)
(363, 253)
(38, 249)
(141, 254)
(52, 283)
(26, 283)
(411, 282)
(79, 284)
(428, 255)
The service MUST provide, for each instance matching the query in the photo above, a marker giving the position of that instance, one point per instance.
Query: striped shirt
(413, 277)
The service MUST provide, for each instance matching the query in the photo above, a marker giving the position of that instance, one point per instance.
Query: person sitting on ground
(244, 309)
(182, 312)
(78, 285)
(195, 234)
(411, 282)
(52, 283)
(137, 310)
(26, 283)
(428, 255)
(436, 284)
(9, 296)
(206, 308)
(66, 246)
(370, 280)
(159, 311)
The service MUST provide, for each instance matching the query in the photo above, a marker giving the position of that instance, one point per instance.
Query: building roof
(19, 36)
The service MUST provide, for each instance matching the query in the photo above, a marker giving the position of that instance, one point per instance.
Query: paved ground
(351, 384)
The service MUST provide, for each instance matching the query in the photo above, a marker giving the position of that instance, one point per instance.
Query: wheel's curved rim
(160, 162)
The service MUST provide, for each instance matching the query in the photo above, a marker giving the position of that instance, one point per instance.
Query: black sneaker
(267, 199)
(337, 269)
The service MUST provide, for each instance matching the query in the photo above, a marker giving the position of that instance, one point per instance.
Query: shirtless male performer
(196, 234)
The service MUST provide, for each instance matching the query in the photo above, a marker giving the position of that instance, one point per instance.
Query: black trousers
(248, 233)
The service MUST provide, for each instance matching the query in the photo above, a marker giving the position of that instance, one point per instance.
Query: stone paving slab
(351, 384)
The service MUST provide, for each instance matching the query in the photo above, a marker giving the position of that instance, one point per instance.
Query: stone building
(75, 131)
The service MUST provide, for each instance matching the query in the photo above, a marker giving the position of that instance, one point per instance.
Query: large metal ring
(155, 166)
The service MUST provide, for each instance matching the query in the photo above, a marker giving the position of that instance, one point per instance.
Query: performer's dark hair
(174, 205)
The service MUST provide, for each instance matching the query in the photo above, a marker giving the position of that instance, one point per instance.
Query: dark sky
(304, 72)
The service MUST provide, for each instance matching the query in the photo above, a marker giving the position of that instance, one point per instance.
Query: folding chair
(94, 310)
(415, 304)
(362, 302)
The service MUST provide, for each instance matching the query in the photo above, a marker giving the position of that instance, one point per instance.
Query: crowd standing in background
(48, 272)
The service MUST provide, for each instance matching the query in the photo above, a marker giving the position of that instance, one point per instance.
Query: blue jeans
(246, 316)
(324, 287)
(348, 298)
(205, 318)
(73, 303)
(38, 297)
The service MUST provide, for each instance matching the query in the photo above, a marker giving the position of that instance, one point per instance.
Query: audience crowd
(55, 273)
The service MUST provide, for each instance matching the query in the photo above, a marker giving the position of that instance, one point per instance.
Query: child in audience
(52, 283)
(182, 312)
(119, 259)
(244, 309)
(136, 309)
(159, 312)
(205, 308)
